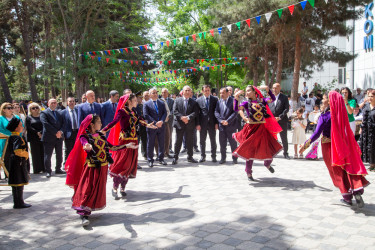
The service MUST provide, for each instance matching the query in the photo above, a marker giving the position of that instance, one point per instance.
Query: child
(18, 155)
(87, 168)
(299, 137)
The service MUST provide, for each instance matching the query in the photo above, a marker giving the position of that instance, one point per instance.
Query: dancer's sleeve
(318, 131)
(118, 117)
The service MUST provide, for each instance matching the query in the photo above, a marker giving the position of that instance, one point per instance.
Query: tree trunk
(297, 62)
(47, 56)
(23, 22)
(255, 72)
(274, 69)
(280, 59)
(266, 67)
(4, 84)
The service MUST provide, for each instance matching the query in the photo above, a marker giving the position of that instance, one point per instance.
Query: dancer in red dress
(87, 168)
(124, 130)
(341, 152)
(258, 137)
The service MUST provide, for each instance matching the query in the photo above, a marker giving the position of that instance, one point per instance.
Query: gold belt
(325, 139)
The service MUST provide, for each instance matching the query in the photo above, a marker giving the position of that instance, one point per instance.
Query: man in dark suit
(207, 122)
(52, 136)
(109, 108)
(154, 111)
(70, 116)
(89, 107)
(169, 122)
(279, 109)
(185, 111)
(227, 119)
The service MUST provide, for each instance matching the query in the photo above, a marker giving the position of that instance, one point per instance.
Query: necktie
(224, 105)
(156, 107)
(92, 108)
(114, 107)
(54, 114)
(186, 103)
(207, 103)
(74, 125)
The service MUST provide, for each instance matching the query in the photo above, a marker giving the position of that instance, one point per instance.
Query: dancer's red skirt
(125, 161)
(347, 183)
(90, 193)
(256, 143)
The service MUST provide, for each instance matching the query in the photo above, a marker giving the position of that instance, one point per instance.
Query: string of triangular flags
(177, 71)
(203, 35)
(161, 62)
(151, 84)
(157, 79)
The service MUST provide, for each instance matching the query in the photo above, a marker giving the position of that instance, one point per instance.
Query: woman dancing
(87, 168)
(258, 137)
(124, 130)
(341, 152)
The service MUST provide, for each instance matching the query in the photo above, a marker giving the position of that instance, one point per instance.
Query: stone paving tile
(195, 206)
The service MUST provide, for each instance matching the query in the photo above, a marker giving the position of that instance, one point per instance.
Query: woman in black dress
(34, 129)
(367, 139)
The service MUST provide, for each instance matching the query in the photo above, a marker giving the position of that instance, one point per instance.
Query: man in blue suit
(154, 111)
(109, 108)
(52, 136)
(89, 107)
(70, 116)
(227, 119)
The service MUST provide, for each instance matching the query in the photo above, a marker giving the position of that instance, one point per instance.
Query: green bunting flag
(174, 41)
(204, 34)
(238, 25)
(312, 2)
(280, 12)
(131, 49)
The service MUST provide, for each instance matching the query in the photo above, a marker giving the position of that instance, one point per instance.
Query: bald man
(89, 107)
(52, 136)
(279, 109)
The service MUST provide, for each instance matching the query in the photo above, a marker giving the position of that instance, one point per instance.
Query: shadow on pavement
(287, 184)
(368, 209)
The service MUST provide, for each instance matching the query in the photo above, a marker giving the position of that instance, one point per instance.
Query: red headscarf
(74, 165)
(271, 124)
(345, 150)
(114, 135)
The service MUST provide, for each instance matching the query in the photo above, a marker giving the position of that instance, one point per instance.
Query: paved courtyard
(197, 206)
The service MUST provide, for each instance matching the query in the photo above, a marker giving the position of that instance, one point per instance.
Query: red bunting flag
(169, 62)
(248, 22)
(161, 62)
(197, 60)
(168, 43)
(158, 72)
(212, 32)
(109, 52)
(145, 47)
(224, 59)
(175, 72)
(92, 57)
(245, 58)
(107, 59)
(223, 65)
(291, 9)
(194, 37)
(136, 62)
(202, 60)
(131, 62)
(94, 53)
(126, 49)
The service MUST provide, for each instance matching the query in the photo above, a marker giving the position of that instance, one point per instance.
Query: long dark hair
(350, 95)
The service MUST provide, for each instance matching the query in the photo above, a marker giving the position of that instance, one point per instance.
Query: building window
(341, 76)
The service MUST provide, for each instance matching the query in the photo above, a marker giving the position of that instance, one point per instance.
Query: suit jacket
(85, 109)
(280, 108)
(228, 114)
(207, 116)
(170, 103)
(68, 122)
(51, 125)
(192, 112)
(150, 114)
(108, 112)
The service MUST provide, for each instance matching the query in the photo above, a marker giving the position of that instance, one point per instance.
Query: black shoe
(222, 161)
(114, 194)
(192, 160)
(171, 151)
(250, 178)
(150, 164)
(162, 162)
(170, 156)
(48, 175)
(174, 162)
(214, 159)
(359, 200)
(196, 150)
(271, 169)
(139, 167)
(183, 151)
(59, 171)
(24, 205)
(286, 156)
(235, 161)
(345, 202)
(123, 193)
(203, 159)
